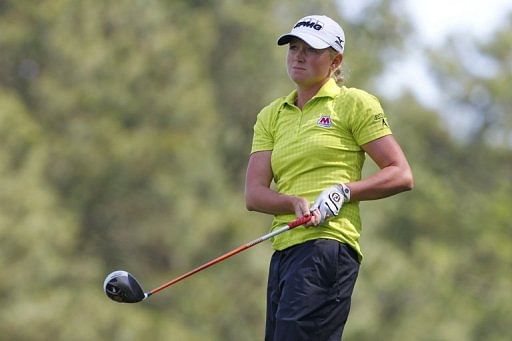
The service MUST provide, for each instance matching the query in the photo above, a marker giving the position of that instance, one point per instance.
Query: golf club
(122, 287)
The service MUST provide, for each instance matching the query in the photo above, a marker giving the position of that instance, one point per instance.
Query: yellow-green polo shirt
(317, 147)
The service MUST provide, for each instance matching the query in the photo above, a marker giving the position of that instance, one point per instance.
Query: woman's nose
(300, 54)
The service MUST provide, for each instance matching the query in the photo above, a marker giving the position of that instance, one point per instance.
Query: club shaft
(297, 222)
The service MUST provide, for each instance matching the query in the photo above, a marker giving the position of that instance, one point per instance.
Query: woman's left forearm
(394, 175)
(386, 182)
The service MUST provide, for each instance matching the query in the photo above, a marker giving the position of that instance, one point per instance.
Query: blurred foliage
(125, 128)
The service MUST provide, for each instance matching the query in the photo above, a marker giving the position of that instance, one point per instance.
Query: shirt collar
(329, 89)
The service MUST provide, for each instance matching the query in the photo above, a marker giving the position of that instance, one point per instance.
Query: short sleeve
(368, 121)
(263, 138)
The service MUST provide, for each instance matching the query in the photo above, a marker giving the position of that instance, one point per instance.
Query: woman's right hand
(301, 208)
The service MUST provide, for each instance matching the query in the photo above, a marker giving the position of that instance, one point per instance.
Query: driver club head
(122, 287)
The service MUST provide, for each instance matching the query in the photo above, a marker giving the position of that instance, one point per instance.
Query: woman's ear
(336, 62)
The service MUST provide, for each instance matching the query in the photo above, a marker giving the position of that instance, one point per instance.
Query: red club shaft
(297, 222)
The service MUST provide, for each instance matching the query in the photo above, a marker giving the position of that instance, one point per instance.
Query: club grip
(300, 221)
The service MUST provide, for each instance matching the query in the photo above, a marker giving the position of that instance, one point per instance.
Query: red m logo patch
(324, 121)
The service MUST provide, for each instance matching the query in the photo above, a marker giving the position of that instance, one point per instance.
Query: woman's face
(307, 66)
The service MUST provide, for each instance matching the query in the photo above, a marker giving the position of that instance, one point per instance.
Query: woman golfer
(312, 144)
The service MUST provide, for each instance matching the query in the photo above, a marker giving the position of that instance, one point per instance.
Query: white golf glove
(329, 202)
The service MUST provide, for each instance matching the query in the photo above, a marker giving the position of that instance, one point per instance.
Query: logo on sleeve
(380, 117)
(324, 121)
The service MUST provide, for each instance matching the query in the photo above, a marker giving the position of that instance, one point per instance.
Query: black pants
(309, 291)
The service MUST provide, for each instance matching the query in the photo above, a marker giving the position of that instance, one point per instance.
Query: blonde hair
(337, 74)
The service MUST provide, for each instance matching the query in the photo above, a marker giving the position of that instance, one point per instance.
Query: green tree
(437, 263)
